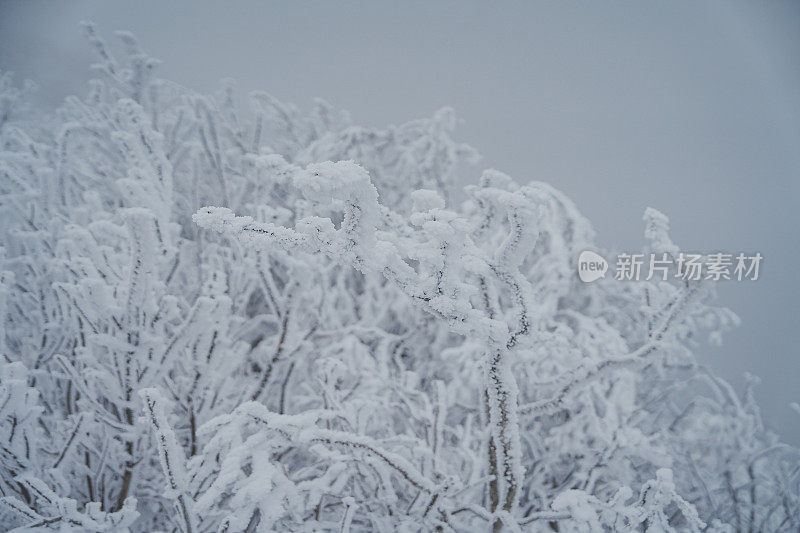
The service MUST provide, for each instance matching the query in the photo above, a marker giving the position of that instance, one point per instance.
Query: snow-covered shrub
(332, 347)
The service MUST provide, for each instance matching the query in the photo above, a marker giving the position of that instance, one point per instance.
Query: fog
(693, 109)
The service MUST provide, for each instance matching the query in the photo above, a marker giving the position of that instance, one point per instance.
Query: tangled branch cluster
(335, 348)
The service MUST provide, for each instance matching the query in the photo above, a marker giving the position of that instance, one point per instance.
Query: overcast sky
(689, 107)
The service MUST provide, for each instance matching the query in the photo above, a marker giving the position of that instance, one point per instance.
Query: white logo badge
(591, 266)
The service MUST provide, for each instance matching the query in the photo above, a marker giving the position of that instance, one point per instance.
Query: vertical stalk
(501, 392)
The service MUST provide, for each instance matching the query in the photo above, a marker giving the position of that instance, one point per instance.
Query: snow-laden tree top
(270, 320)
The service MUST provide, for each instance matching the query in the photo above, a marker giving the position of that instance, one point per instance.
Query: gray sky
(690, 107)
